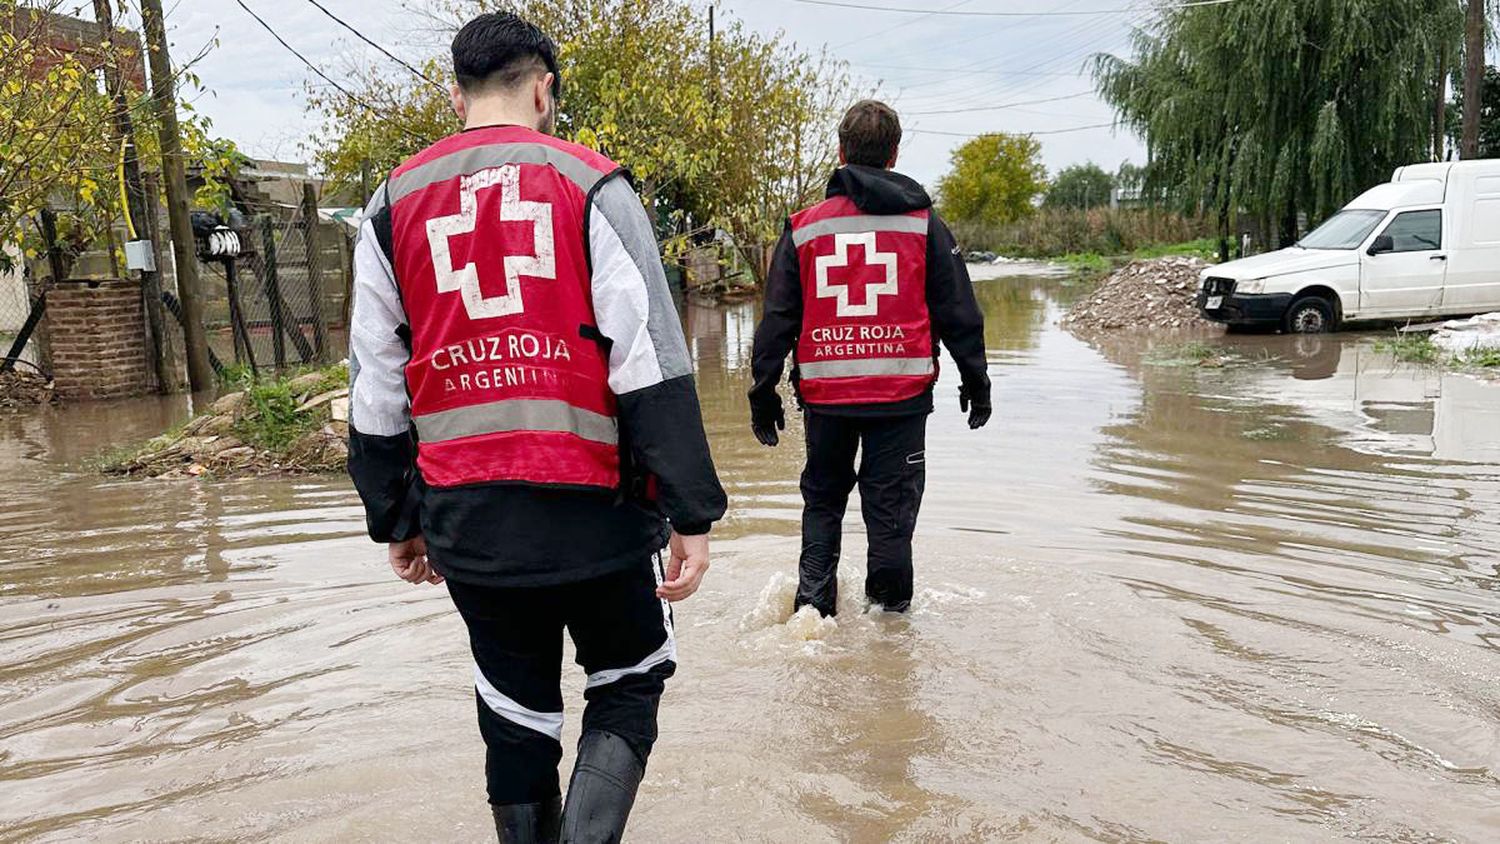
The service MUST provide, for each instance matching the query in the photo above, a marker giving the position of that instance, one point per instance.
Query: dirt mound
(1144, 295)
(288, 427)
(21, 389)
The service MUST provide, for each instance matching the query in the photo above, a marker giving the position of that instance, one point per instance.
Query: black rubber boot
(527, 823)
(602, 790)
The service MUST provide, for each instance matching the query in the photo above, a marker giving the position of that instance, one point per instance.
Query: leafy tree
(1283, 107)
(52, 118)
(1130, 176)
(1489, 115)
(1081, 186)
(994, 179)
(57, 143)
(731, 137)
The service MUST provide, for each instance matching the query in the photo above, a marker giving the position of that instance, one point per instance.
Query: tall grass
(1052, 232)
(1420, 348)
(1411, 348)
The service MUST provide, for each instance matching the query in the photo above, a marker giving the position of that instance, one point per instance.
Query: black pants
(892, 475)
(623, 636)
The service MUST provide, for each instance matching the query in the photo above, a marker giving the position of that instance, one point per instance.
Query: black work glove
(976, 403)
(766, 421)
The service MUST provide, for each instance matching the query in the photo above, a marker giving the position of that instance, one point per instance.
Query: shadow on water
(1255, 601)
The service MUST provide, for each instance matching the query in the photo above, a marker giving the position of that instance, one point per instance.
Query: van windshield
(1344, 230)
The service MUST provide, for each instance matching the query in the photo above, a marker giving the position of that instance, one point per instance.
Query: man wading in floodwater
(510, 285)
(862, 287)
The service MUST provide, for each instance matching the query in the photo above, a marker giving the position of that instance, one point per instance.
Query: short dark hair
(499, 50)
(870, 134)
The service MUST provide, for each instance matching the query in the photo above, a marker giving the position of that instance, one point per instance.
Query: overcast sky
(964, 64)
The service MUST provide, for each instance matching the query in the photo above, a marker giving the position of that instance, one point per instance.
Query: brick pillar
(98, 339)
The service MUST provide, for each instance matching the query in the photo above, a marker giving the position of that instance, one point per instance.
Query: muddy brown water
(1155, 602)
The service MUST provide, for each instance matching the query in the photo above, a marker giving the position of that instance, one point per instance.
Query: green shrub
(1206, 248)
(274, 423)
(1052, 232)
(1411, 348)
(1088, 263)
(1482, 357)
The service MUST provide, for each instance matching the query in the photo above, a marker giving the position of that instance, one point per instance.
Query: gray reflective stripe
(546, 723)
(516, 415)
(853, 225)
(667, 651)
(867, 366)
(474, 159)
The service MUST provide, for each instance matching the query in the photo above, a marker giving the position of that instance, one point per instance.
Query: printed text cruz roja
(498, 361)
(840, 340)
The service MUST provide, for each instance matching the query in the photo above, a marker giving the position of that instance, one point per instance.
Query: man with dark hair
(524, 425)
(862, 288)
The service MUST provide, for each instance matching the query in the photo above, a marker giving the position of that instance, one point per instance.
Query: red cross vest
(488, 230)
(866, 332)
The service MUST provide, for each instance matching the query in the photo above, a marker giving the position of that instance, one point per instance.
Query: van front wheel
(1310, 315)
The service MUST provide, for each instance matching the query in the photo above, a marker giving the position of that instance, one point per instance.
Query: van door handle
(1438, 258)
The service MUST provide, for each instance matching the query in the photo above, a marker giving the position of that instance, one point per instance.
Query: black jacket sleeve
(651, 369)
(384, 473)
(382, 451)
(779, 328)
(662, 427)
(956, 317)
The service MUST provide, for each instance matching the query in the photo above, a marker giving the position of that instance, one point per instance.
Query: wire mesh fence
(280, 303)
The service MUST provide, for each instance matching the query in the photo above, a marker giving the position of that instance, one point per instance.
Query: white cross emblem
(840, 258)
(540, 263)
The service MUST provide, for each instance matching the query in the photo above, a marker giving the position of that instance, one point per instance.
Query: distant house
(1128, 197)
(80, 38)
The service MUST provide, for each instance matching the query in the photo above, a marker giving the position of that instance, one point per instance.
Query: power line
(357, 100)
(1049, 54)
(1004, 105)
(996, 132)
(962, 71)
(1094, 31)
(1056, 13)
(897, 26)
(388, 54)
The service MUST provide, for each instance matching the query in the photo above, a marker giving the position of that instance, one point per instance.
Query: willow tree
(724, 135)
(1280, 108)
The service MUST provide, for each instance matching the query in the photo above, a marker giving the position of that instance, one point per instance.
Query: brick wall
(69, 35)
(98, 339)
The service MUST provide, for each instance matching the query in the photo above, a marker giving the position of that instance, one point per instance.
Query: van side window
(1417, 231)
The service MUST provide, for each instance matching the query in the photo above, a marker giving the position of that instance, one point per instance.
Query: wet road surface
(1155, 602)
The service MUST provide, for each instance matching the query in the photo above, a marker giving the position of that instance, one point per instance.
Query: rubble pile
(1159, 294)
(301, 426)
(1466, 336)
(22, 389)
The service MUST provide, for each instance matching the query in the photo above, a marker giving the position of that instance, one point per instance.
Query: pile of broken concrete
(1152, 295)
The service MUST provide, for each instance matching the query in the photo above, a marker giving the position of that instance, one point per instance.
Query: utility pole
(1473, 78)
(713, 65)
(164, 95)
(137, 206)
(365, 191)
(1440, 111)
(314, 270)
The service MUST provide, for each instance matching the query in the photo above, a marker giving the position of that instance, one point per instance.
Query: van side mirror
(1383, 243)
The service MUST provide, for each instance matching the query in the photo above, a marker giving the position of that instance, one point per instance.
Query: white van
(1425, 245)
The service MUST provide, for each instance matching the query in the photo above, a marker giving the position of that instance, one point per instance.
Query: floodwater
(1155, 602)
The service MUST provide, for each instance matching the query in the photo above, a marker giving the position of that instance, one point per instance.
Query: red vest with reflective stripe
(866, 333)
(488, 230)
